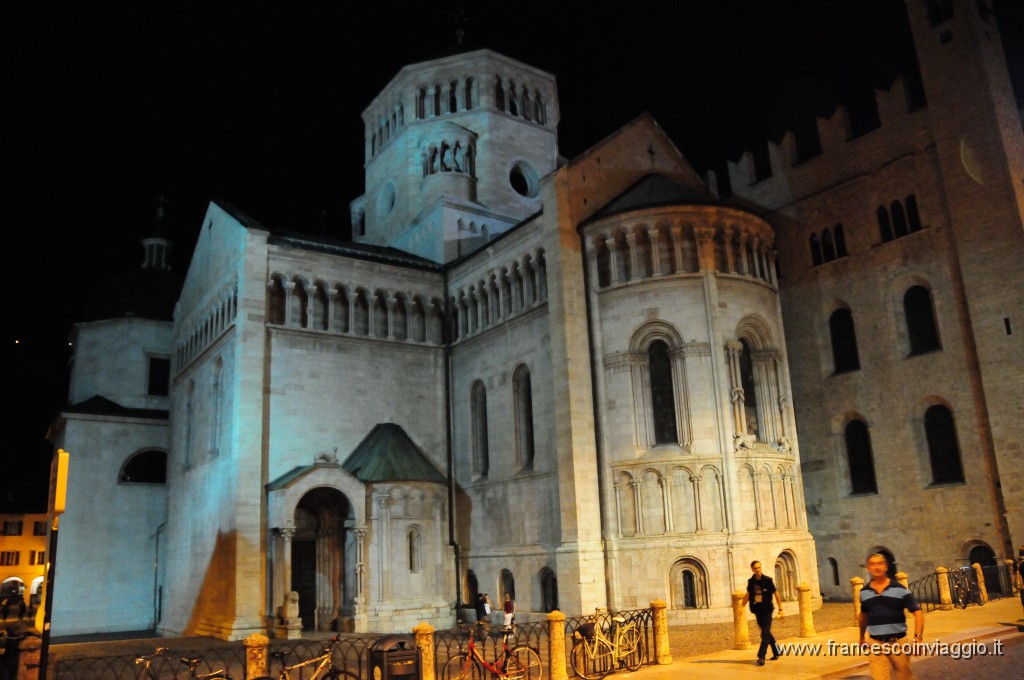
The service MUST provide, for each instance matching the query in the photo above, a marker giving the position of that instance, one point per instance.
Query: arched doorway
(785, 575)
(986, 557)
(548, 590)
(322, 561)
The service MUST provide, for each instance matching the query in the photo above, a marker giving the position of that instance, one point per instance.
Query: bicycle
(595, 655)
(963, 589)
(324, 665)
(146, 661)
(520, 662)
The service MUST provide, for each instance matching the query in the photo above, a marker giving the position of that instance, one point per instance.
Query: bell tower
(980, 151)
(455, 149)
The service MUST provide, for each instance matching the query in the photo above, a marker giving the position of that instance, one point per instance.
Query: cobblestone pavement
(706, 638)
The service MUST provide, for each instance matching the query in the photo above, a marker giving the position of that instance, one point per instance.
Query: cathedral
(587, 382)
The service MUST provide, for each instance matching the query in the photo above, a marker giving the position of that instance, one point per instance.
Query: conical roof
(387, 454)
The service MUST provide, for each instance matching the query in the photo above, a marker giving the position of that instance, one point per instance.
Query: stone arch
(756, 331)
(276, 299)
(400, 317)
(548, 590)
(711, 499)
(746, 497)
(684, 500)
(652, 502)
(688, 584)
(786, 575)
(148, 466)
(652, 331)
(625, 493)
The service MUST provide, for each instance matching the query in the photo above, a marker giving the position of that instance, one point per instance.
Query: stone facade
(588, 364)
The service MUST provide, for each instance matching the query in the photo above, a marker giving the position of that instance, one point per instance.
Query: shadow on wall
(214, 608)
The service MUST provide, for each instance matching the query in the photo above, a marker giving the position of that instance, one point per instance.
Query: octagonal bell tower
(454, 151)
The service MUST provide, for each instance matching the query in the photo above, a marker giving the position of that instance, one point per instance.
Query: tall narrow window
(217, 406)
(844, 341)
(159, 377)
(913, 216)
(815, 251)
(943, 450)
(840, 240)
(921, 328)
(835, 570)
(415, 549)
(548, 590)
(523, 396)
(899, 219)
(689, 590)
(860, 458)
(828, 246)
(884, 223)
(663, 401)
(749, 390)
(189, 418)
(481, 458)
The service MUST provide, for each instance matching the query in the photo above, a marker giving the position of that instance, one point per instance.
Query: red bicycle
(519, 662)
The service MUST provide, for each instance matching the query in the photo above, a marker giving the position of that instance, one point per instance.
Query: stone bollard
(662, 651)
(857, 583)
(981, 582)
(741, 632)
(806, 617)
(945, 598)
(256, 647)
(424, 633)
(557, 669)
(1013, 578)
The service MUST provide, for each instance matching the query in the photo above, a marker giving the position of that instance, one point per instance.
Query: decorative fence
(943, 588)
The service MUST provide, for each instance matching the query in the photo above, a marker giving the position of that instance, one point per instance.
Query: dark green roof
(653, 191)
(388, 455)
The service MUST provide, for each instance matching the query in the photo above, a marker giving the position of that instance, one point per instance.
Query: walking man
(760, 589)
(882, 602)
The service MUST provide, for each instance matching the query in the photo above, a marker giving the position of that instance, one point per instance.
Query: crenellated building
(569, 380)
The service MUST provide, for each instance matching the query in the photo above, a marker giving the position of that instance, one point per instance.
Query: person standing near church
(882, 602)
(510, 610)
(760, 589)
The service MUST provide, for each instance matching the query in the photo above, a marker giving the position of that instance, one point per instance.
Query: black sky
(111, 104)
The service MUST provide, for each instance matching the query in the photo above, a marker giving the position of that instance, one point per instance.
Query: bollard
(945, 598)
(662, 651)
(424, 633)
(806, 617)
(256, 646)
(981, 582)
(1014, 588)
(858, 585)
(739, 619)
(556, 646)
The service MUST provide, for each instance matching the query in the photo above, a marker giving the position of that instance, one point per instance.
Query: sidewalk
(996, 620)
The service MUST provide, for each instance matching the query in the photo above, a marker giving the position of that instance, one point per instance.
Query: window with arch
(840, 239)
(523, 404)
(415, 542)
(835, 570)
(816, 257)
(688, 584)
(860, 458)
(828, 246)
(217, 406)
(786, 575)
(508, 585)
(749, 389)
(276, 302)
(548, 590)
(663, 402)
(145, 467)
(844, 341)
(922, 331)
(943, 449)
(478, 406)
(472, 586)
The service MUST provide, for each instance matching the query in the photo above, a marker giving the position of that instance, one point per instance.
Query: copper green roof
(388, 455)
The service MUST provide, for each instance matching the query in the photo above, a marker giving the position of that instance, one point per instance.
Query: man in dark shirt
(760, 589)
(882, 602)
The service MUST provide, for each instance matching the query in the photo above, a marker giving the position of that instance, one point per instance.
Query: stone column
(652, 236)
(289, 291)
(424, 633)
(662, 651)
(638, 507)
(634, 273)
(741, 633)
(981, 582)
(256, 646)
(806, 617)
(557, 669)
(730, 260)
(1013, 581)
(857, 584)
(665, 483)
(945, 598)
(613, 261)
(677, 246)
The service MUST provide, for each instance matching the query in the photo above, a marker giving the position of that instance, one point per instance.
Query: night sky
(110, 105)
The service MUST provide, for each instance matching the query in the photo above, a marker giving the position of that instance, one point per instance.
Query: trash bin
(395, 656)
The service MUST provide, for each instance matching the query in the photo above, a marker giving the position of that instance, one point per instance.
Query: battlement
(835, 134)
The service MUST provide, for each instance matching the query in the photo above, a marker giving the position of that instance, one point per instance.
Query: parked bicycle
(146, 661)
(595, 654)
(324, 665)
(963, 589)
(519, 662)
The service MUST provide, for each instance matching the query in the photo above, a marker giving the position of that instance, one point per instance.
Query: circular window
(387, 200)
(523, 179)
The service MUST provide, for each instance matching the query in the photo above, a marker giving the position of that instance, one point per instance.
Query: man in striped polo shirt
(882, 602)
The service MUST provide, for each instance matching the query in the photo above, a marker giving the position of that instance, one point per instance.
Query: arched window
(899, 219)
(860, 458)
(415, 549)
(217, 415)
(884, 224)
(943, 450)
(523, 400)
(469, 94)
(508, 585)
(913, 216)
(749, 390)
(146, 467)
(548, 590)
(472, 586)
(481, 458)
(920, 315)
(815, 251)
(663, 401)
(276, 302)
(844, 341)
(688, 584)
(840, 237)
(828, 246)
(835, 570)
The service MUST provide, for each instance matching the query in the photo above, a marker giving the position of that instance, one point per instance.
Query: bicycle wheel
(631, 650)
(592, 660)
(524, 664)
(462, 667)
